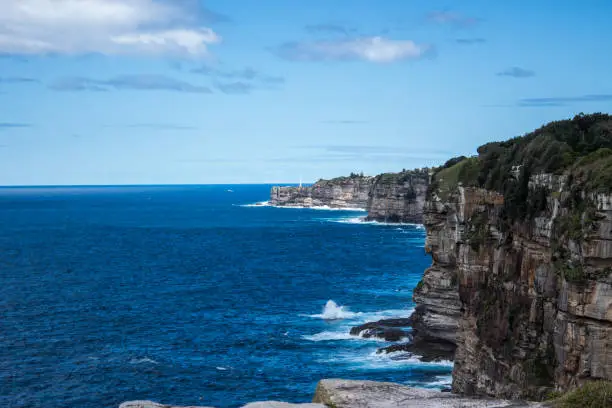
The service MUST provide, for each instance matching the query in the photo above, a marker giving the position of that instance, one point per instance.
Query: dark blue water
(183, 295)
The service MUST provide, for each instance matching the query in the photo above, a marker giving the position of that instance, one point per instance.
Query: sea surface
(191, 295)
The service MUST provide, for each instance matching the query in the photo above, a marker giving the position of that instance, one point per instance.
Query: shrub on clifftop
(596, 394)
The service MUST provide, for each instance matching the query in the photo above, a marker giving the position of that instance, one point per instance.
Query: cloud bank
(112, 27)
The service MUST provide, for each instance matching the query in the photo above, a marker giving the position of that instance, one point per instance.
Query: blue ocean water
(187, 295)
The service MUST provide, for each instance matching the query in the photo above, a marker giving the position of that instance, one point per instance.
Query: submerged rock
(426, 350)
(388, 329)
(371, 394)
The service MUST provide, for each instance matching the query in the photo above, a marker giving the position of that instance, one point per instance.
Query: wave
(330, 336)
(441, 381)
(143, 360)
(363, 221)
(388, 361)
(301, 207)
(340, 336)
(319, 208)
(332, 311)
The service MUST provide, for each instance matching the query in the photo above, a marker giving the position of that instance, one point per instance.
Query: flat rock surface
(259, 404)
(276, 404)
(151, 404)
(371, 394)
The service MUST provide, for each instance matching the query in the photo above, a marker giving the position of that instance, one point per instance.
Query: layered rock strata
(341, 192)
(388, 197)
(398, 197)
(521, 278)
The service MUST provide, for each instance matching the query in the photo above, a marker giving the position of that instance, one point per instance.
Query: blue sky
(246, 91)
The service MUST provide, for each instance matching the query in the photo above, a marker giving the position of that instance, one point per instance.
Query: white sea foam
(441, 381)
(222, 368)
(330, 336)
(320, 208)
(340, 335)
(363, 221)
(378, 361)
(332, 311)
(301, 207)
(258, 204)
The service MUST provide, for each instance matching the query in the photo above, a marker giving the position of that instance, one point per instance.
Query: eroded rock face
(398, 197)
(531, 306)
(341, 192)
(371, 394)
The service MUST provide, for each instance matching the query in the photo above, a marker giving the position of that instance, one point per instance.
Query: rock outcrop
(370, 394)
(521, 279)
(340, 192)
(388, 197)
(387, 329)
(398, 197)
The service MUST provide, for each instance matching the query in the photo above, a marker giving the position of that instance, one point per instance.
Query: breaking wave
(332, 311)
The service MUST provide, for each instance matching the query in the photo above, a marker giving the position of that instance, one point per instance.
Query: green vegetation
(579, 145)
(419, 285)
(464, 171)
(594, 394)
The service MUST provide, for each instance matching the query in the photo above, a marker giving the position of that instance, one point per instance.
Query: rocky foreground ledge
(337, 393)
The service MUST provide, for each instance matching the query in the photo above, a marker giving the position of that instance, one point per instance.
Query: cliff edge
(339, 192)
(398, 197)
(521, 279)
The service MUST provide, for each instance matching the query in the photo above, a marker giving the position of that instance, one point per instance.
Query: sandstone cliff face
(531, 305)
(342, 192)
(398, 197)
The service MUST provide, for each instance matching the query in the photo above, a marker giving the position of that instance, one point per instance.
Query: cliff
(521, 278)
(340, 192)
(398, 197)
(388, 197)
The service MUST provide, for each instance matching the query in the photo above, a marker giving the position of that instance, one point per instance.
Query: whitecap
(329, 336)
(386, 361)
(332, 311)
(222, 368)
(142, 361)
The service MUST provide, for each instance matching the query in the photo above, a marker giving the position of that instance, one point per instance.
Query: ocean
(191, 295)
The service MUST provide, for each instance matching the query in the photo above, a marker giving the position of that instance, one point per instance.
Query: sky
(270, 91)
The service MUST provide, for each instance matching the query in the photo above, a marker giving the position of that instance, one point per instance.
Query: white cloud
(103, 26)
(373, 49)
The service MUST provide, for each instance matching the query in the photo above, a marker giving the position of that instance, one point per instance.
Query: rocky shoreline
(337, 393)
(388, 197)
(519, 292)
